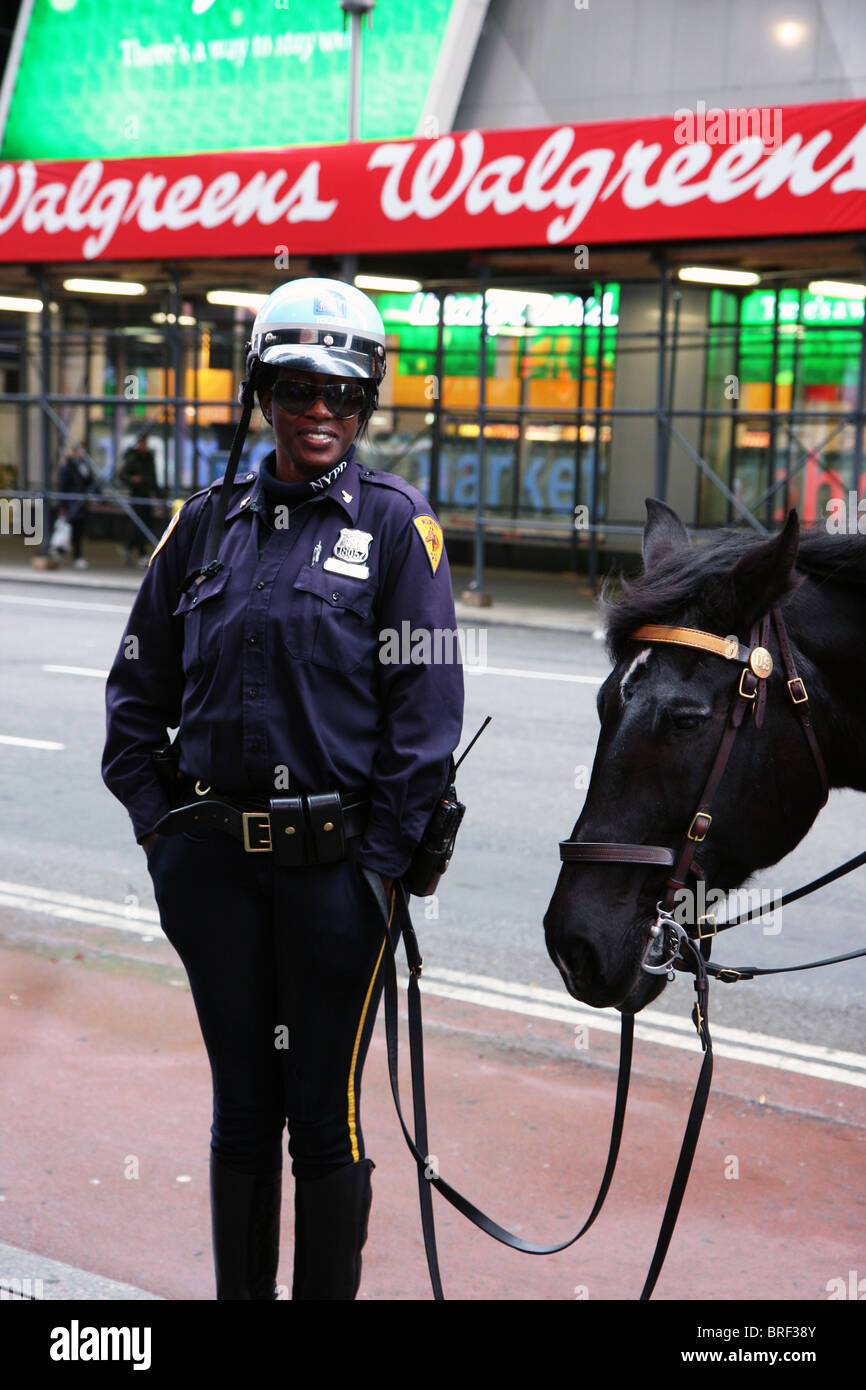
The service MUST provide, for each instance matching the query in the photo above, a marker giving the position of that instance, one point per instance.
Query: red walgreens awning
(674, 178)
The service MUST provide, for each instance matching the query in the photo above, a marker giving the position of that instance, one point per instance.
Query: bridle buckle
(699, 832)
(711, 929)
(802, 698)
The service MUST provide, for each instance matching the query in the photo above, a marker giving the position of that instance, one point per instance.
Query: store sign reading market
(617, 182)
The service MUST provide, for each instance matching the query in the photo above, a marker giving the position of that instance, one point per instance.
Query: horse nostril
(581, 962)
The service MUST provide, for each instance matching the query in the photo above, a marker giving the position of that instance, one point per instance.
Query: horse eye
(687, 718)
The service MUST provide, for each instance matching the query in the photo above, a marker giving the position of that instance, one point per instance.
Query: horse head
(664, 710)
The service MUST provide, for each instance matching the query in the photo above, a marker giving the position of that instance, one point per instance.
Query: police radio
(433, 854)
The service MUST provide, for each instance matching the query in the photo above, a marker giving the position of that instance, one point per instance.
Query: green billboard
(106, 79)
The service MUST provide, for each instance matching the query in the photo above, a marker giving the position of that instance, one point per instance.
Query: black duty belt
(296, 830)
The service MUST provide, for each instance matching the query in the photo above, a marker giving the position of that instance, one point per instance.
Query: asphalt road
(64, 832)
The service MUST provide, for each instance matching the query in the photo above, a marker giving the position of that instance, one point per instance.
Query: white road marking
(489, 992)
(65, 603)
(531, 675)
(77, 671)
(72, 907)
(30, 742)
(783, 1054)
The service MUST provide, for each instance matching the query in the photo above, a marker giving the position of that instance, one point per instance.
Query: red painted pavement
(101, 1064)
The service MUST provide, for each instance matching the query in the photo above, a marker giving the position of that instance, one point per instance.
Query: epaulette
(397, 484)
(241, 480)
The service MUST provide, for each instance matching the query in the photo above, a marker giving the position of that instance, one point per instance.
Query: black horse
(663, 710)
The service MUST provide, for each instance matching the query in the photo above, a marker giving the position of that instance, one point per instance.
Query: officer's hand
(148, 841)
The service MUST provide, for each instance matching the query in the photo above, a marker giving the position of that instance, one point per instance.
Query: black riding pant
(286, 971)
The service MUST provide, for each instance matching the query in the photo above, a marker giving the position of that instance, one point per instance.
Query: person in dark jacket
(75, 475)
(138, 474)
(313, 748)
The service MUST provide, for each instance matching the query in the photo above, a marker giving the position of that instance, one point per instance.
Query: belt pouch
(289, 831)
(326, 827)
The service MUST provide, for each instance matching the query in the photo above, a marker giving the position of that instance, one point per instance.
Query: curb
(25, 1277)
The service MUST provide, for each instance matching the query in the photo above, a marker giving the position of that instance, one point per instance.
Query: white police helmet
(320, 326)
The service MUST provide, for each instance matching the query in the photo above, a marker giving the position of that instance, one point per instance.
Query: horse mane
(693, 578)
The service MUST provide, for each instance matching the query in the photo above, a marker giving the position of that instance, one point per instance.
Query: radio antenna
(472, 743)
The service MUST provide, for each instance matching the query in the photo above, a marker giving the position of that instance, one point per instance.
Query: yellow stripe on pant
(353, 1134)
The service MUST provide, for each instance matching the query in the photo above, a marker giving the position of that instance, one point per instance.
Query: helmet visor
(320, 350)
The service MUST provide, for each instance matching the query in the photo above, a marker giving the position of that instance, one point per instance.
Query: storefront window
(549, 372)
(795, 355)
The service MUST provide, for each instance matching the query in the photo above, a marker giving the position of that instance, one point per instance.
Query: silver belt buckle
(262, 828)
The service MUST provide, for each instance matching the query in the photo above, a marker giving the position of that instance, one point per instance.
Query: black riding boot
(245, 1221)
(330, 1230)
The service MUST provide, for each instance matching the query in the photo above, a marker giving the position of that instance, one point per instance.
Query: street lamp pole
(476, 594)
(356, 9)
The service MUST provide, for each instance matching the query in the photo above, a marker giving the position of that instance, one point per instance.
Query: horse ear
(663, 533)
(763, 576)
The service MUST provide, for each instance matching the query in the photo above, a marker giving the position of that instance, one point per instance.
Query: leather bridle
(755, 666)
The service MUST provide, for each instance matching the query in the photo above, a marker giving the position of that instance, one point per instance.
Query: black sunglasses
(343, 399)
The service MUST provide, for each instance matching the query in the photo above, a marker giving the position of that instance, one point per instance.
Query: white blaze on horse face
(638, 661)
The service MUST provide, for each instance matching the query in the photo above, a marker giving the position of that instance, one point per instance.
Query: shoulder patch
(430, 531)
(165, 535)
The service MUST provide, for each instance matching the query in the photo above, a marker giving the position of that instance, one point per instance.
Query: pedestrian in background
(138, 474)
(75, 475)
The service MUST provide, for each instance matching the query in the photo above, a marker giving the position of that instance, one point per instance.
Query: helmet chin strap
(210, 564)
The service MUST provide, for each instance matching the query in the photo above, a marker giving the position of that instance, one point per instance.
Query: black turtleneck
(272, 492)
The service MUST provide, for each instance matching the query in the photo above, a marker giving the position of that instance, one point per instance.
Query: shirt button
(260, 584)
(252, 639)
(335, 595)
(253, 691)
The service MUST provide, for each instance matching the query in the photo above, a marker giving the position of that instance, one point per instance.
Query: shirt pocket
(330, 622)
(202, 609)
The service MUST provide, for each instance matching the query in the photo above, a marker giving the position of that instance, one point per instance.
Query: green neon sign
(532, 317)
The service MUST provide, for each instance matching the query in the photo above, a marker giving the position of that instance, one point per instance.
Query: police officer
(313, 749)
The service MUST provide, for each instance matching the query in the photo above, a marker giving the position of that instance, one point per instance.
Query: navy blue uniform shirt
(303, 665)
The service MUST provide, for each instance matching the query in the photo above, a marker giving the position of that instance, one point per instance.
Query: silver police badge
(350, 552)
